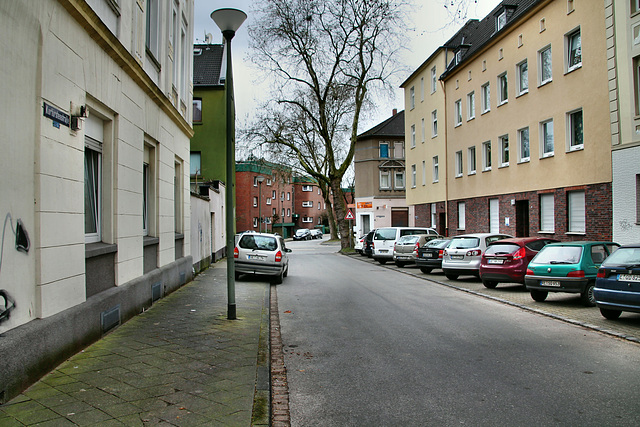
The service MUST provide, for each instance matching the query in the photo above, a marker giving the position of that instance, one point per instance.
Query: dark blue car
(618, 282)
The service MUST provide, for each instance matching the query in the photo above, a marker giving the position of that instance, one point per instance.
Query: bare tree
(327, 58)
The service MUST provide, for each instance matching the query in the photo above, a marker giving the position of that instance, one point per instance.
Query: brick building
(309, 204)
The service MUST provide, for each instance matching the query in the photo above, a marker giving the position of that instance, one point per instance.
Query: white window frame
(434, 215)
(307, 204)
(421, 89)
(471, 160)
(486, 156)
(522, 84)
(95, 149)
(152, 34)
(423, 130)
(424, 172)
(413, 136)
(268, 202)
(306, 188)
(255, 201)
(545, 126)
(524, 155)
(436, 172)
(494, 215)
(542, 79)
(434, 123)
(385, 176)
(255, 222)
(462, 212)
(501, 20)
(434, 79)
(571, 136)
(504, 150)
(485, 106)
(398, 180)
(457, 115)
(307, 219)
(576, 210)
(413, 176)
(503, 89)
(459, 168)
(568, 40)
(398, 149)
(471, 106)
(547, 214)
(412, 98)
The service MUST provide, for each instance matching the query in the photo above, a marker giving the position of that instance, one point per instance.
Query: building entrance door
(522, 218)
(399, 217)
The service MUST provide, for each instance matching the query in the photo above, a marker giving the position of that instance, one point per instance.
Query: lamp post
(229, 20)
(260, 179)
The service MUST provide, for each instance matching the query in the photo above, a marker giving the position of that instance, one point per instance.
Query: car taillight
(416, 247)
(235, 252)
(445, 252)
(372, 245)
(601, 273)
(278, 256)
(440, 253)
(520, 253)
(577, 273)
(475, 252)
(529, 272)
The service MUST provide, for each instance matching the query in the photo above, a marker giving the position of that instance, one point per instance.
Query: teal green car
(567, 267)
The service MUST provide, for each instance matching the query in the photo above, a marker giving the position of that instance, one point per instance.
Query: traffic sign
(349, 215)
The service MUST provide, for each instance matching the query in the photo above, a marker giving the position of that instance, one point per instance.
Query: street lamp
(229, 20)
(260, 179)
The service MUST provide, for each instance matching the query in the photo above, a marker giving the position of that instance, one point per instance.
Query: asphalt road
(365, 345)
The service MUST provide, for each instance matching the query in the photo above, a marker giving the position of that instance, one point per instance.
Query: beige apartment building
(527, 124)
(623, 51)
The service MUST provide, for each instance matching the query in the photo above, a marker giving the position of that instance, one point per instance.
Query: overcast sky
(430, 33)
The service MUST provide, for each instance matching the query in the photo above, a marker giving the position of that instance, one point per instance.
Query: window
(413, 136)
(574, 121)
(544, 65)
(255, 201)
(268, 200)
(638, 198)
(433, 79)
(173, 35)
(486, 98)
(435, 169)
(522, 82)
(274, 194)
(574, 50)
(195, 165)
(635, 6)
(268, 181)
(501, 20)
(306, 188)
(149, 190)
(145, 199)
(434, 123)
(494, 216)
(413, 176)
(471, 156)
(486, 156)
(288, 212)
(307, 219)
(412, 98)
(178, 196)
(461, 215)
(421, 89)
(504, 150)
(399, 180)
(458, 112)
(523, 145)
(288, 196)
(197, 110)
(185, 58)
(571, 7)
(503, 92)
(577, 211)
(255, 222)
(384, 150)
(92, 190)
(384, 180)
(434, 213)
(307, 204)
(547, 213)
(152, 40)
(471, 106)
(423, 130)
(458, 163)
(424, 172)
(398, 150)
(546, 138)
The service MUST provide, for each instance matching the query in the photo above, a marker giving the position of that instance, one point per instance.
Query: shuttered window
(577, 214)
(546, 213)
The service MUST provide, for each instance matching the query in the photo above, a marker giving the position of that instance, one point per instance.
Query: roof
(392, 127)
(207, 63)
(474, 35)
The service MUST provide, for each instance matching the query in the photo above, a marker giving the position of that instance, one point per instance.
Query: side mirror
(288, 250)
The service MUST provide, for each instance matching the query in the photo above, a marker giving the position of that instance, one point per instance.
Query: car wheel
(382, 261)
(491, 284)
(610, 314)
(451, 276)
(587, 295)
(426, 270)
(400, 264)
(539, 295)
(286, 272)
(277, 279)
(237, 275)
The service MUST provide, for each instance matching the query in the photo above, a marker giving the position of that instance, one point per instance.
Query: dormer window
(501, 20)
(458, 57)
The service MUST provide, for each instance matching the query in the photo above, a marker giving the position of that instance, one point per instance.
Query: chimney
(394, 112)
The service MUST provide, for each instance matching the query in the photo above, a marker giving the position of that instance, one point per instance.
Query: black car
(430, 255)
(618, 282)
(367, 249)
(302, 234)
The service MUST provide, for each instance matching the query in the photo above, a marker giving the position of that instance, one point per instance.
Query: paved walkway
(181, 363)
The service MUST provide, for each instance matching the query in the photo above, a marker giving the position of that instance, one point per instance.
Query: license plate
(457, 256)
(383, 251)
(495, 261)
(256, 257)
(629, 277)
(550, 283)
(427, 255)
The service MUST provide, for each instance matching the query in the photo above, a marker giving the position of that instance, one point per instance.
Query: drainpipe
(446, 157)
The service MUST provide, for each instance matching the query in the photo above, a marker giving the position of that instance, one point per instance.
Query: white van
(385, 238)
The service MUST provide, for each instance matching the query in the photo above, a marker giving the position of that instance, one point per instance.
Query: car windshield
(408, 239)
(437, 243)
(559, 255)
(464, 242)
(410, 232)
(385, 234)
(263, 243)
(623, 256)
(502, 249)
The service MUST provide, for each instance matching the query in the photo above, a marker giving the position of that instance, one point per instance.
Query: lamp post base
(231, 312)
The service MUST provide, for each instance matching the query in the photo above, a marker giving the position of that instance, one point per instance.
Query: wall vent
(110, 318)
(183, 278)
(156, 292)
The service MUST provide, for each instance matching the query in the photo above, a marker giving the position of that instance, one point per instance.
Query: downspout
(446, 157)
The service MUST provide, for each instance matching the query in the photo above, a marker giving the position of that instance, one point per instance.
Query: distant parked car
(316, 233)
(618, 282)
(464, 253)
(359, 245)
(430, 255)
(385, 238)
(263, 254)
(367, 249)
(507, 260)
(302, 234)
(567, 267)
(406, 248)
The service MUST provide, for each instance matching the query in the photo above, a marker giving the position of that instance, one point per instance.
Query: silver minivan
(263, 254)
(385, 238)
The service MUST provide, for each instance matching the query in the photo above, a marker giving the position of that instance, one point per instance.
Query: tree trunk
(340, 209)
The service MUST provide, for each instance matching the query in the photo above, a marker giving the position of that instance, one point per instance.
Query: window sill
(575, 233)
(521, 161)
(545, 83)
(504, 165)
(471, 173)
(486, 170)
(471, 118)
(459, 175)
(546, 156)
(503, 103)
(99, 248)
(576, 148)
(485, 112)
(572, 69)
(150, 240)
(458, 125)
(546, 232)
(179, 236)
(522, 93)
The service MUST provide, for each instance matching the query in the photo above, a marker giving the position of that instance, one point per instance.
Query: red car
(506, 260)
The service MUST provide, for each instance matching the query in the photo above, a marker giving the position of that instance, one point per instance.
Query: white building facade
(96, 123)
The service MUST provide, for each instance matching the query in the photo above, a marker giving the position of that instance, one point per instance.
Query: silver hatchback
(263, 254)
(464, 254)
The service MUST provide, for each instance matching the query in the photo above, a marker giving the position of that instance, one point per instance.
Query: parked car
(567, 267)
(405, 251)
(367, 249)
(464, 253)
(430, 255)
(618, 282)
(385, 238)
(359, 245)
(316, 233)
(263, 254)
(507, 260)
(302, 234)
